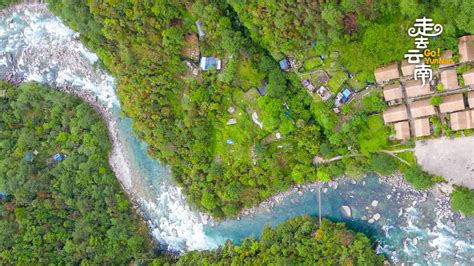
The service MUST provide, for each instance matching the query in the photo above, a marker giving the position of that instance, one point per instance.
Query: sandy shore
(452, 158)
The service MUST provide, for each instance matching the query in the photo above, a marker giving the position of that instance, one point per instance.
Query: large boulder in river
(377, 216)
(346, 211)
(375, 203)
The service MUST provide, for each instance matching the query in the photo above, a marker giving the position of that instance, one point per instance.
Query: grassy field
(312, 63)
(247, 74)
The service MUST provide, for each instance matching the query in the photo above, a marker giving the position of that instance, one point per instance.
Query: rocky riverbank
(402, 192)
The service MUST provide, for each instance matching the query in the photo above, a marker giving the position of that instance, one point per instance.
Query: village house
(210, 62)
(413, 88)
(462, 120)
(343, 97)
(407, 68)
(386, 73)
(392, 92)
(448, 54)
(452, 103)
(468, 77)
(466, 48)
(422, 108)
(284, 64)
(449, 79)
(470, 99)
(402, 130)
(422, 127)
(395, 114)
(324, 93)
(309, 86)
(262, 88)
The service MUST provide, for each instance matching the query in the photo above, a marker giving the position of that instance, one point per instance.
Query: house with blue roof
(284, 64)
(346, 95)
(210, 62)
(59, 157)
(262, 88)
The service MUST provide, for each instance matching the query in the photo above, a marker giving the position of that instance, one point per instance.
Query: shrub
(462, 200)
(418, 178)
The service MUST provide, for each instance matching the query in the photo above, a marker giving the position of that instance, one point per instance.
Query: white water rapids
(36, 46)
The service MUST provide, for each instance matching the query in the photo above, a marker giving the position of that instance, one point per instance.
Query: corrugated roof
(468, 77)
(284, 64)
(395, 114)
(407, 68)
(210, 62)
(387, 72)
(413, 88)
(452, 103)
(402, 130)
(466, 48)
(392, 92)
(470, 99)
(449, 79)
(422, 127)
(422, 108)
(462, 120)
(448, 54)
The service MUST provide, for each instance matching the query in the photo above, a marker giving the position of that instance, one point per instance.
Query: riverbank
(400, 188)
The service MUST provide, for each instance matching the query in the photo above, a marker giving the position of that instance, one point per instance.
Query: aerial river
(412, 227)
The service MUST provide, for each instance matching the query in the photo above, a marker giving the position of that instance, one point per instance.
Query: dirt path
(451, 158)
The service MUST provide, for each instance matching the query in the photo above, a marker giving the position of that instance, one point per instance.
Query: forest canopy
(63, 204)
(298, 241)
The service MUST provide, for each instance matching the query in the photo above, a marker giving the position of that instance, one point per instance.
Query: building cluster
(411, 104)
(192, 52)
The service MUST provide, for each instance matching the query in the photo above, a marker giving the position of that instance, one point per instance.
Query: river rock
(374, 203)
(371, 221)
(389, 196)
(346, 211)
(376, 216)
(363, 218)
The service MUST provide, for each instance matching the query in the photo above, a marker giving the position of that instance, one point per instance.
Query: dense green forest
(223, 167)
(298, 241)
(366, 33)
(64, 210)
